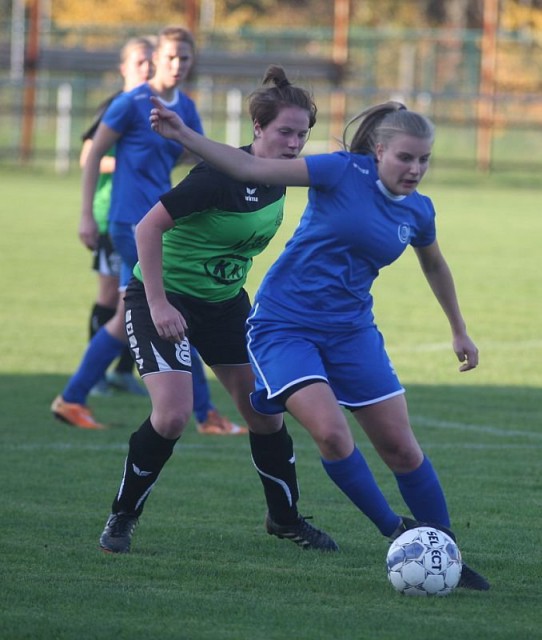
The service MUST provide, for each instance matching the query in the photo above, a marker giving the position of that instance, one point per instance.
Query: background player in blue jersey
(196, 247)
(142, 173)
(135, 68)
(312, 338)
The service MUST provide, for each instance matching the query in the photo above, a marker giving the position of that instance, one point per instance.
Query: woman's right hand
(169, 322)
(165, 122)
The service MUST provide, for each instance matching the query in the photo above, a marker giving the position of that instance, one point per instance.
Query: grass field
(202, 566)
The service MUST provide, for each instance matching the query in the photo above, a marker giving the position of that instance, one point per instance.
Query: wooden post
(192, 15)
(340, 57)
(486, 91)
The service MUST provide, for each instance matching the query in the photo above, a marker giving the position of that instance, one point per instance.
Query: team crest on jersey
(403, 232)
(227, 269)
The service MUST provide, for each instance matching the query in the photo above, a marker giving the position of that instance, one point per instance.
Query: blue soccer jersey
(144, 158)
(350, 229)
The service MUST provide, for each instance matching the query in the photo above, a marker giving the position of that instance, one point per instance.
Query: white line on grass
(495, 431)
(416, 420)
(513, 345)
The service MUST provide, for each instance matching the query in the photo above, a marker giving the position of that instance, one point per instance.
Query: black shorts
(106, 260)
(216, 329)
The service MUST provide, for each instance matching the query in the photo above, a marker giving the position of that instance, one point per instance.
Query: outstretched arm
(439, 276)
(233, 162)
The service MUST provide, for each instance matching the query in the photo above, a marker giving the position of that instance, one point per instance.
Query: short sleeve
(325, 170)
(427, 233)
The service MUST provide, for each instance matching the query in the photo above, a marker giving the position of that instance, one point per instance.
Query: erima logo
(250, 197)
(139, 472)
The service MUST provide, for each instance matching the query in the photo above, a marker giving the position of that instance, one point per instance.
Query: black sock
(99, 315)
(147, 455)
(273, 457)
(125, 363)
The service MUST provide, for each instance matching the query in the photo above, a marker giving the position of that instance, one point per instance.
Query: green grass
(202, 566)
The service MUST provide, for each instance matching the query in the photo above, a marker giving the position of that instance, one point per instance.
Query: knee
(262, 424)
(170, 424)
(116, 327)
(403, 458)
(334, 444)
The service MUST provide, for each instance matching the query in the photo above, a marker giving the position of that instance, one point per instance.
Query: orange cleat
(77, 415)
(217, 425)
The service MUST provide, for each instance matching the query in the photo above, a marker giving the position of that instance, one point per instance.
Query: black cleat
(409, 523)
(117, 535)
(406, 524)
(302, 533)
(472, 580)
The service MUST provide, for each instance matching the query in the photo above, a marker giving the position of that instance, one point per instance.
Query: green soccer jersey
(102, 200)
(220, 225)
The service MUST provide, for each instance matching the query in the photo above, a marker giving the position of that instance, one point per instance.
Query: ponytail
(381, 123)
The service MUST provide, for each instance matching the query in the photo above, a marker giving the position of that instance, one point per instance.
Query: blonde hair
(381, 123)
(139, 42)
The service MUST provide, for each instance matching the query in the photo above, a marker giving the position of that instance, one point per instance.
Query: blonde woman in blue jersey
(143, 165)
(312, 338)
(135, 68)
(196, 247)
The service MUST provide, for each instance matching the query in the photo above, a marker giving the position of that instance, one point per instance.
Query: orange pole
(486, 93)
(192, 15)
(340, 57)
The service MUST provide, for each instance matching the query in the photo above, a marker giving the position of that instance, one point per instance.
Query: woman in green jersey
(195, 249)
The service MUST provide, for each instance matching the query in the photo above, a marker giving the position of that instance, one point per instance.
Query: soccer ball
(424, 562)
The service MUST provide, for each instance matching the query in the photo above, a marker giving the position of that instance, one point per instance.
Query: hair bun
(282, 83)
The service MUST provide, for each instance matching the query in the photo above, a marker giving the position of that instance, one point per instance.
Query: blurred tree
(523, 15)
(131, 12)
(516, 14)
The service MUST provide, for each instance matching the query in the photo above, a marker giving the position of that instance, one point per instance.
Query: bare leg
(388, 428)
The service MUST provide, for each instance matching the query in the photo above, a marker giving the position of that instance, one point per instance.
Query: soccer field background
(202, 566)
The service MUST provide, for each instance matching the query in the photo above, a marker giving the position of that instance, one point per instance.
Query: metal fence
(43, 113)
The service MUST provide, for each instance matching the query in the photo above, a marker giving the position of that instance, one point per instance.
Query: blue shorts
(284, 355)
(123, 239)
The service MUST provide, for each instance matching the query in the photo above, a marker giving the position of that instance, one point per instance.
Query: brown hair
(383, 122)
(176, 34)
(266, 102)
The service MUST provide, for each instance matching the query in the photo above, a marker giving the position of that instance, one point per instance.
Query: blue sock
(202, 395)
(100, 353)
(354, 478)
(423, 494)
